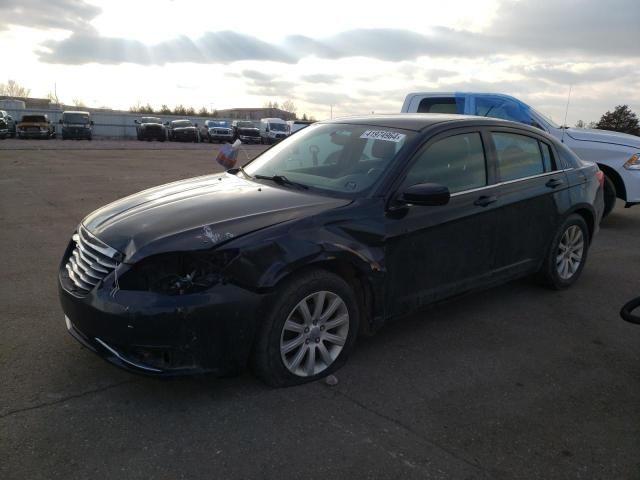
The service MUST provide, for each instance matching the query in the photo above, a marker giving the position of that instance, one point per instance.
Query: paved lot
(515, 382)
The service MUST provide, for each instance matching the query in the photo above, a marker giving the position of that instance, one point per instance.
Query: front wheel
(610, 195)
(309, 331)
(567, 254)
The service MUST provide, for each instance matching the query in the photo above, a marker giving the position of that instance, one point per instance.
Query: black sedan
(331, 233)
(183, 131)
(150, 128)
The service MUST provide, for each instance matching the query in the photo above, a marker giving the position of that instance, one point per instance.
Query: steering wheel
(314, 150)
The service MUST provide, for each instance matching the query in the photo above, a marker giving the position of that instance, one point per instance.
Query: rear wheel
(610, 195)
(309, 331)
(567, 254)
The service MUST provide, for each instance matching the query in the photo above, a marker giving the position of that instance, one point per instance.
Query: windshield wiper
(281, 180)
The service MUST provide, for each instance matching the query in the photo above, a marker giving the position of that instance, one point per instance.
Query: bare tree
(13, 89)
(53, 98)
(289, 106)
(77, 102)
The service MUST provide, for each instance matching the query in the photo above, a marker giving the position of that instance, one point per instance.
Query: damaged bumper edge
(152, 334)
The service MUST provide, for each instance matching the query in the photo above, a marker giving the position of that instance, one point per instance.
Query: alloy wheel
(314, 334)
(570, 252)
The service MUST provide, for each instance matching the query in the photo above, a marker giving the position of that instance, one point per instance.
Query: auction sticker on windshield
(383, 135)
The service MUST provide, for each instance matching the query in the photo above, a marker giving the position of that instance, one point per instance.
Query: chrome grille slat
(85, 268)
(93, 253)
(93, 264)
(90, 261)
(77, 281)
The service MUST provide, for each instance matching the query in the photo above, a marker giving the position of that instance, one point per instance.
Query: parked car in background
(337, 229)
(216, 131)
(150, 128)
(35, 126)
(617, 154)
(7, 125)
(76, 125)
(272, 130)
(294, 125)
(246, 131)
(4, 130)
(182, 131)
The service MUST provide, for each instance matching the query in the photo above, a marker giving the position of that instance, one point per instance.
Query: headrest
(383, 149)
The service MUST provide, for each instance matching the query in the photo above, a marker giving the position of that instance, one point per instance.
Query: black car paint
(177, 133)
(275, 231)
(150, 130)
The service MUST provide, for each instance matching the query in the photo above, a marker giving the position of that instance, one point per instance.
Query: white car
(617, 154)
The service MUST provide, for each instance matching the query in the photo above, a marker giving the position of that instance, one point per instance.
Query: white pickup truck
(617, 154)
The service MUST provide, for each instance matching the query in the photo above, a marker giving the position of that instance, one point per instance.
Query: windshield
(220, 123)
(75, 118)
(150, 120)
(278, 127)
(181, 123)
(333, 157)
(545, 118)
(245, 125)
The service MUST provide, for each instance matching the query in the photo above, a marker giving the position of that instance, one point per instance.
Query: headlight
(633, 163)
(178, 273)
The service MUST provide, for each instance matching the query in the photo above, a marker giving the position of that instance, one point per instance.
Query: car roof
(418, 121)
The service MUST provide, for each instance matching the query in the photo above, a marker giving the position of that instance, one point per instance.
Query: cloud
(213, 47)
(320, 78)
(257, 76)
(64, 14)
(567, 74)
(572, 27)
(325, 98)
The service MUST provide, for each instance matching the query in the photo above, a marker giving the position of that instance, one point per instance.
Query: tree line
(621, 119)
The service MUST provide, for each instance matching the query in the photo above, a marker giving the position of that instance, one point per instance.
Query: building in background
(255, 113)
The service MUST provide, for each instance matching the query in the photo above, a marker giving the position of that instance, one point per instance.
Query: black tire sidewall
(610, 195)
(550, 270)
(267, 361)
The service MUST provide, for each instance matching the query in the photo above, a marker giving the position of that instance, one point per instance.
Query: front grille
(90, 261)
(222, 132)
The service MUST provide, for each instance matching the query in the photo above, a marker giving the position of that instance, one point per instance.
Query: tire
(559, 270)
(610, 195)
(308, 341)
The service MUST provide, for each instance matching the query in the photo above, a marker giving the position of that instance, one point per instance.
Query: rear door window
(457, 162)
(520, 156)
(441, 105)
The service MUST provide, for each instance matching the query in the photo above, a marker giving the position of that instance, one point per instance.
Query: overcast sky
(357, 56)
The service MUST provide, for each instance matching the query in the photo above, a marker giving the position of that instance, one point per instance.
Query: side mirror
(196, 124)
(629, 307)
(60, 121)
(166, 123)
(426, 194)
(91, 122)
(136, 121)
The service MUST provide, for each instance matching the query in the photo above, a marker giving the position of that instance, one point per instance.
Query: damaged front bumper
(161, 335)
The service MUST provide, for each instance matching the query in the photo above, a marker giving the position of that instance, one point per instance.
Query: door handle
(554, 183)
(485, 200)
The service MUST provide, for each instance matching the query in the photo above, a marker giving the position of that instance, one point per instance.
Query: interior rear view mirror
(427, 194)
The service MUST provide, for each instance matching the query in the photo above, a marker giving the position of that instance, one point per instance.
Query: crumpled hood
(198, 213)
(604, 136)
